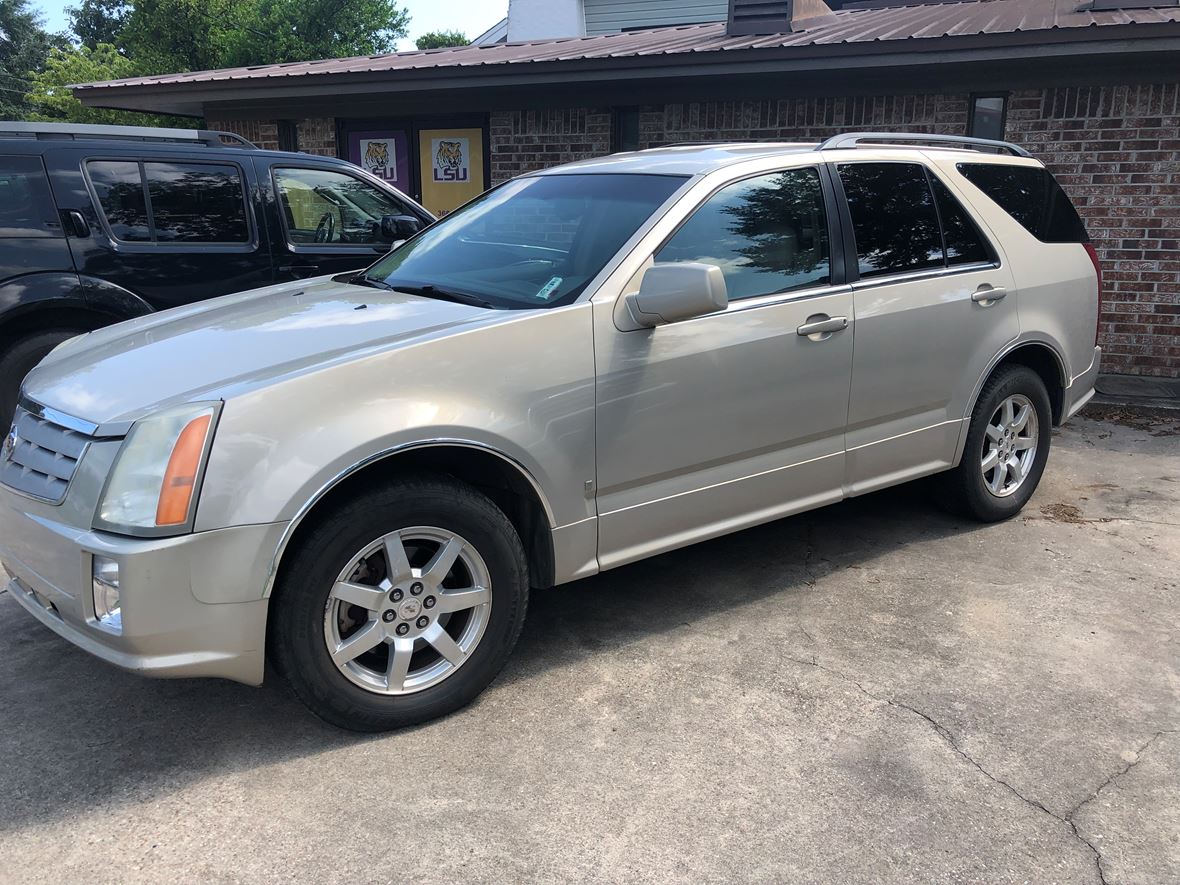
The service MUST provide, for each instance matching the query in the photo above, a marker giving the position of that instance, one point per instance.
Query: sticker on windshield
(549, 288)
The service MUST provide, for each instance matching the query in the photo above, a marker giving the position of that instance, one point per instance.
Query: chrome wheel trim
(1010, 444)
(421, 592)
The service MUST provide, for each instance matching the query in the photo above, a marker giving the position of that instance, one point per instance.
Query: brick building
(1092, 89)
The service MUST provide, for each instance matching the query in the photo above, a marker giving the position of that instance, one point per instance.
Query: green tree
(190, 35)
(99, 21)
(24, 46)
(442, 39)
(52, 99)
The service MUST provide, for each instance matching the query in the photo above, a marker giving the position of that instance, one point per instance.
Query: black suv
(104, 223)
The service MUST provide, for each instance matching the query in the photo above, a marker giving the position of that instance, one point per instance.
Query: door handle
(821, 326)
(989, 295)
(75, 223)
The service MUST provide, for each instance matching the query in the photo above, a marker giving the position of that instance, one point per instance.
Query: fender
(352, 469)
(56, 290)
(1012, 347)
(107, 297)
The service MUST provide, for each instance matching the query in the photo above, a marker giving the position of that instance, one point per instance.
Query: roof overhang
(1062, 52)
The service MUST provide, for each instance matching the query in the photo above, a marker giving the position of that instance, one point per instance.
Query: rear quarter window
(1032, 197)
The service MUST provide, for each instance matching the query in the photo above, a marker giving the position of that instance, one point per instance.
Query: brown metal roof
(897, 25)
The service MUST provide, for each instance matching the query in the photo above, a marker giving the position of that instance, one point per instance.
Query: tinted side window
(320, 206)
(120, 194)
(964, 243)
(893, 217)
(197, 203)
(767, 234)
(1031, 196)
(26, 205)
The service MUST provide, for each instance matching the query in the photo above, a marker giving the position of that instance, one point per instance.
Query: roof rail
(75, 131)
(882, 139)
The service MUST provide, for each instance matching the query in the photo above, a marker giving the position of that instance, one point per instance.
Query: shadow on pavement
(76, 733)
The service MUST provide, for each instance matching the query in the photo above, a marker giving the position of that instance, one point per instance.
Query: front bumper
(1081, 388)
(191, 606)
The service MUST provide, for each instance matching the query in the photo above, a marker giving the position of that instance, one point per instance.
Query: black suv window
(190, 202)
(26, 205)
(321, 206)
(767, 234)
(197, 203)
(1032, 196)
(893, 217)
(964, 243)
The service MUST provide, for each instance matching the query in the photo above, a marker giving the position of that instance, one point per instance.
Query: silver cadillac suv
(364, 475)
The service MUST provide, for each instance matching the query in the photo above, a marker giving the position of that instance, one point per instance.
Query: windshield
(535, 242)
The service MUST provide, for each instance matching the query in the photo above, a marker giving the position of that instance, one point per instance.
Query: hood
(211, 349)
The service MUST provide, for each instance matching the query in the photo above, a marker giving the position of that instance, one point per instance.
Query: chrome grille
(39, 456)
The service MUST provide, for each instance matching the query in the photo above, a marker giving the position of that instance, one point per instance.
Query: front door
(451, 167)
(934, 304)
(734, 418)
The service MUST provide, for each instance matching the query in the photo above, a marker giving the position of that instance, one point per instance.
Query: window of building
(964, 243)
(26, 205)
(893, 217)
(1032, 196)
(625, 134)
(320, 206)
(767, 234)
(288, 135)
(987, 116)
(189, 202)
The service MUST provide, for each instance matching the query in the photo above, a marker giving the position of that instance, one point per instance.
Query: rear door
(173, 228)
(31, 237)
(326, 218)
(934, 304)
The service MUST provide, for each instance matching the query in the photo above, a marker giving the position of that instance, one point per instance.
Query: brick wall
(317, 135)
(524, 141)
(1116, 150)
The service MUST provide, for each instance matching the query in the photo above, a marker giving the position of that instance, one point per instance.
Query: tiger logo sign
(379, 156)
(451, 160)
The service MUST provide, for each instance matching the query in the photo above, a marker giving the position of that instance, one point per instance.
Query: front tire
(400, 606)
(1007, 447)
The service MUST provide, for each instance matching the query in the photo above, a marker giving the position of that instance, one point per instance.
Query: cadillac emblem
(10, 442)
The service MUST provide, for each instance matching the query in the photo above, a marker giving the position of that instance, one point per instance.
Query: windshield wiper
(362, 280)
(444, 295)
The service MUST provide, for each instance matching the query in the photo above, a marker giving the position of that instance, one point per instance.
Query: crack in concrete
(951, 741)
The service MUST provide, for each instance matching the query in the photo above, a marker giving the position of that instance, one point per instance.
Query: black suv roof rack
(882, 139)
(49, 131)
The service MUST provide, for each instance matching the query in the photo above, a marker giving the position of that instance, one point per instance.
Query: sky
(472, 17)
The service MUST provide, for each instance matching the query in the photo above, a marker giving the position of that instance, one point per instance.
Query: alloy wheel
(1009, 445)
(408, 610)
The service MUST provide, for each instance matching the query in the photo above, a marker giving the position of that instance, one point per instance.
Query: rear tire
(348, 582)
(20, 358)
(1007, 448)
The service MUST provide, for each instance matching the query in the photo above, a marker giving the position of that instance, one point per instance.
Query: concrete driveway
(875, 692)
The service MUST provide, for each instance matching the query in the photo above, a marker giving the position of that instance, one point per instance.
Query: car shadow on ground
(78, 733)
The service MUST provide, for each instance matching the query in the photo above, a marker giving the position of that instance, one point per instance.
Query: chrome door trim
(926, 274)
(306, 508)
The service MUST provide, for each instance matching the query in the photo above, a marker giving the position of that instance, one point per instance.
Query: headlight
(152, 488)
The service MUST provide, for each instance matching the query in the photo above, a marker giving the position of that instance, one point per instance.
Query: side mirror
(399, 227)
(673, 292)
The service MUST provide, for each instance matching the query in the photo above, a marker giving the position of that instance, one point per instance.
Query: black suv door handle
(299, 271)
(74, 223)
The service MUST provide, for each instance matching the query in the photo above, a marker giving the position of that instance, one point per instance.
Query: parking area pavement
(874, 692)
